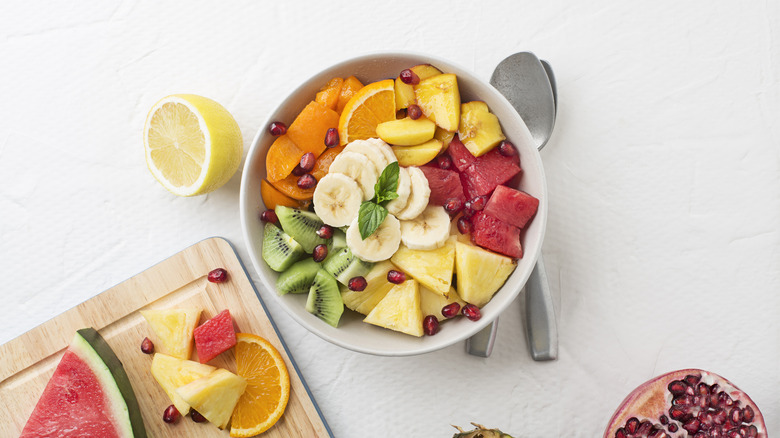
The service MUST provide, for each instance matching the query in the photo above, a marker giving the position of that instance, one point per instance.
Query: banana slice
(371, 151)
(383, 148)
(404, 190)
(357, 167)
(381, 245)
(418, 199)
(337, 199)
(429, 230)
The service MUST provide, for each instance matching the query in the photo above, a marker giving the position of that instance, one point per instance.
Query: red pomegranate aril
(197, 417)
(444, 162)
(307, 181)
(430, 325)
(478, 203)
(692, 426)
(218, 275)
(453, 205)
(621, 433)
(409, 77)
(677, 387)
(269, 216)
(632, 425)
(325, 232)
(357, 283)
(507, 149)
(147, 347)
(664, 420)
(396, 277)
(748, 415)
(332, 137)
(672, 428)
(450, 310)
(414, 112)
(307, 161)
(298, 170)
(171, 414)
(464, 225)
(471, 312)
(320, 252)
(277, 128)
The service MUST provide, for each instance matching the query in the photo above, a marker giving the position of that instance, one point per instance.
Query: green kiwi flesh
(298, 278)
(324, 299)
(301, 225)
(280, 250)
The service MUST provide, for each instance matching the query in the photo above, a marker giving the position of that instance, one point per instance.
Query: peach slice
(444, 136)
(479, 129)
(350, 86)
(417, 155)
(406, 132)
(404, 93)
(329, 94)
(439, 99)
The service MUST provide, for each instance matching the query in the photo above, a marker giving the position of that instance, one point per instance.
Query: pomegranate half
(687, 403)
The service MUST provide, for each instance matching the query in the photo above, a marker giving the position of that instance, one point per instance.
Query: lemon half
(192, 144)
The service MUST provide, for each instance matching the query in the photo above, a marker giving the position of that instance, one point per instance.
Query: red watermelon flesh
(444, 184)
(215, 336)
(81, 399)
(489, 232)
(511, 206)
(461, 157)
(487, 172)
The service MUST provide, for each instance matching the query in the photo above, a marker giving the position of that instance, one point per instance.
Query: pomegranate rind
(652, 399)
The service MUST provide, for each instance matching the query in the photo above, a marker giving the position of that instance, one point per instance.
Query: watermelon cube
(487, 172)
(461, 157)
(511, 206)
(495, 235)
(444, 184)
(215, 336)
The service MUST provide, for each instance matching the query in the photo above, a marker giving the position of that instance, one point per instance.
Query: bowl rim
(245, 205)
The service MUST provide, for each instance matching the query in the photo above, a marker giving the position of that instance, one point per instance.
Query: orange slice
(267, 390)
(372, 105)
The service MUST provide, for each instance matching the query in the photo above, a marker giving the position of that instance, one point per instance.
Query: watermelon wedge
(491, 233)
(89, 395)
(444, 184)
(512, 206)
(215, 336)
(487, 172)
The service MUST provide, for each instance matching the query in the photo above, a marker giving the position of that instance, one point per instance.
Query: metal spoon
(529, 85)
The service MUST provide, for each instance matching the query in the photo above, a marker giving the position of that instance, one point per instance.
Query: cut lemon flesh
(370, 106)
(193, 145)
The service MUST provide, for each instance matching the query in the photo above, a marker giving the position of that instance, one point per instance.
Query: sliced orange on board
(372, 105)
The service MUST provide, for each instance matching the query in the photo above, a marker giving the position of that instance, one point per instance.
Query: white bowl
(352, 332)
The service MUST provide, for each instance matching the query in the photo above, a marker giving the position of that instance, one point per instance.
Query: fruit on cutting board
(174, 329)
(406, 131)
(480, 272)
(215, 336)
(419, 154)
(399, 310)
(480, 431)
(479, 130)
(432, 268)
(89, 394)
(214, 396)
(690, 402)
(268, 386)
(172, 373)
(439, 99)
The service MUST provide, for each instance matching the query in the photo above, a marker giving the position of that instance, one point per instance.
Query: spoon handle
(541, 329)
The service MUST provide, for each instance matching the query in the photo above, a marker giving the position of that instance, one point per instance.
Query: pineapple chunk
(172, 373)
(432, 302)
(433, 268)
(404, 93)
(399, 310)
(480, 272)
(417, 155)
(479, 129)
(214, 396)
(439, 99)
(174, 329)
(377, 287)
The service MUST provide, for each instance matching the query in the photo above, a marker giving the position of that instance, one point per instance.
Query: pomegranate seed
(357, 283)
(677, 387)
(147, 347)
(464, 225)
(471, 312)
(277, 128)
(325, 232)
(396, 277)
(621, 433)
(748, 415)
(450, 310)
(218, 275)
(507, 149)
(478, 203)
(453, 205)
(269, 216)
(307, 161)
(307, 181)
(444, 162)
(320, 252)
(197, 417)
(171, 414)
(409, 77)
(298, 170)
(672, 427)
(331, 137)
(414, 112)
(632, 425)
(430, 325)
(692, 380)
(664, 419)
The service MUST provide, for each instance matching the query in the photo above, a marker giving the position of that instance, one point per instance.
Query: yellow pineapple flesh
(215, 395)
(377, 287)
(431, 302)
(399, 310)
(174, 329)
(479, 129)
(433, 268)
(404, 93)
(439, 99)
(172, 373)
(480, 272)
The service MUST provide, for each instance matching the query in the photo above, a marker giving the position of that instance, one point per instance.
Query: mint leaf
(370, 217)
(387, 184)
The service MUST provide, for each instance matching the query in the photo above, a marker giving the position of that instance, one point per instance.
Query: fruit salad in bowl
(394, 204)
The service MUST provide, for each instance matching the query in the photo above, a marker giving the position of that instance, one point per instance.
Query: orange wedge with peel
(372, 105)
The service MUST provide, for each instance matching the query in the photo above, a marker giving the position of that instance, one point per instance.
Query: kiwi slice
(298, 278)
(301, 225)
(344, 265)
(325, 299)
(280, 250)
(337, 242)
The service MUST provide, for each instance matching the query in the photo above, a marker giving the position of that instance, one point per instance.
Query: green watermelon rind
(94, 350)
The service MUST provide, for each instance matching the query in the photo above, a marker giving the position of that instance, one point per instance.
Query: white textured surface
(664, 186)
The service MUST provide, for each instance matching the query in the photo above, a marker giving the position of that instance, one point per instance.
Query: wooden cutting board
(28, 361)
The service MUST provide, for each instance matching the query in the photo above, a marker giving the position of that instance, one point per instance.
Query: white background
(664, 185)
